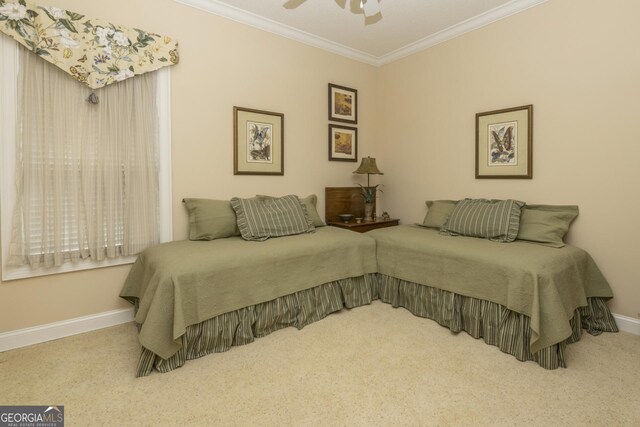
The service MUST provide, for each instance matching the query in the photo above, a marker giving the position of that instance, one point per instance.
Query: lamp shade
(368, 166)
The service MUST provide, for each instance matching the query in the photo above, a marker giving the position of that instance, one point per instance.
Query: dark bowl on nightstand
(345, 217)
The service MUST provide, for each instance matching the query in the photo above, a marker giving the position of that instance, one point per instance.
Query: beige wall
(223, 64)
(577, 62)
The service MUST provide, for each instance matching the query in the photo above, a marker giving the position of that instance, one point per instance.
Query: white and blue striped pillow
(497, 220)
(259, 219)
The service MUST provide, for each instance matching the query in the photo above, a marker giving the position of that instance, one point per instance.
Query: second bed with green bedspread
(528, 299)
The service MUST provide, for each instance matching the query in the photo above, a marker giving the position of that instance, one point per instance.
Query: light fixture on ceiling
(370, 7)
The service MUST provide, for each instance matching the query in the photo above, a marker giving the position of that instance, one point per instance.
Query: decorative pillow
(496, 220)
(546, 224)
(438, 212)
(262, 218)
(309, 203)
(210, 219)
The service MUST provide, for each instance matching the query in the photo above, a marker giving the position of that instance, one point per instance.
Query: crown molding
(266, 24)
(478, 21)
(236, 14)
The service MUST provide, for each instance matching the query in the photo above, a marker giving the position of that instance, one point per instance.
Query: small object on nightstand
(385, 216)
(358, 220)
(345, 217)
(364, 226)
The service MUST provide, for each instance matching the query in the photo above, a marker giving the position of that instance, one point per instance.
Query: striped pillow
(497, 220)
(309, 204)
(260, 219)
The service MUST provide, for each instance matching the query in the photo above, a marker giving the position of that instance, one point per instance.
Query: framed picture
(504, 143)
(343, 104)
(258, 142)
(343, 143)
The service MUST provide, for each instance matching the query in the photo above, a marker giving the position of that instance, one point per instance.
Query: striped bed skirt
(496, 324)
(243, 326)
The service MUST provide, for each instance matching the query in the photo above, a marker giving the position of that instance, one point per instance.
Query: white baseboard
(627, 324)
(79, 325)
(53, 331)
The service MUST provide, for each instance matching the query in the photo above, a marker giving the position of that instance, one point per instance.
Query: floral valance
(92, 51)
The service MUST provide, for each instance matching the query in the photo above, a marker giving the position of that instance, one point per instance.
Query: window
(82, 232)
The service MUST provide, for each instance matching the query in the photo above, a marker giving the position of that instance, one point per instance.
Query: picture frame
(343, 143)
(504, 143)
(343, 104)
(258, 142)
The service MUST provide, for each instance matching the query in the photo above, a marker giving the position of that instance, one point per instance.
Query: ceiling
(405, 26)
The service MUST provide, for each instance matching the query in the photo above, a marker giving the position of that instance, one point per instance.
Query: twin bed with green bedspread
(528, 299)
(198, 297)
(193, 298)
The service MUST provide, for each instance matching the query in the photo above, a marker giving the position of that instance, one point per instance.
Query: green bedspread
(183, 283)
(546, 284)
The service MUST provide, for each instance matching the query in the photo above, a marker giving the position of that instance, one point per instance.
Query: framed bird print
(504, 143)
(258, 142)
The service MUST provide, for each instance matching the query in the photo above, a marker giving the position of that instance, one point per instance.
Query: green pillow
(310, 203)
(438, 212)
(554, 208)
(210, 219)
(546, 224)
(496, 220)
(262, 218)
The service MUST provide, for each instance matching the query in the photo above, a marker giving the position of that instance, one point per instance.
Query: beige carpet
(372, 365)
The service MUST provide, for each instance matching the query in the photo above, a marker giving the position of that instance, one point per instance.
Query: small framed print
(504, 143)
(343, 104)
(343, 143)
(258, 142)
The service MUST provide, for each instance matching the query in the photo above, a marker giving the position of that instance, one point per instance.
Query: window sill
(24, 272)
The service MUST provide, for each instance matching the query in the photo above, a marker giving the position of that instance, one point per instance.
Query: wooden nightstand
(348, 200)
(365, 225)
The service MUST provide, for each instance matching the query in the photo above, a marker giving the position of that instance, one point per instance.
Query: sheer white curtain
(86, 174)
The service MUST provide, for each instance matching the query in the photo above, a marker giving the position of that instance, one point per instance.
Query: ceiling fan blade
(341, 3)
(292, 4)
(354, 6)
(370, 20)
